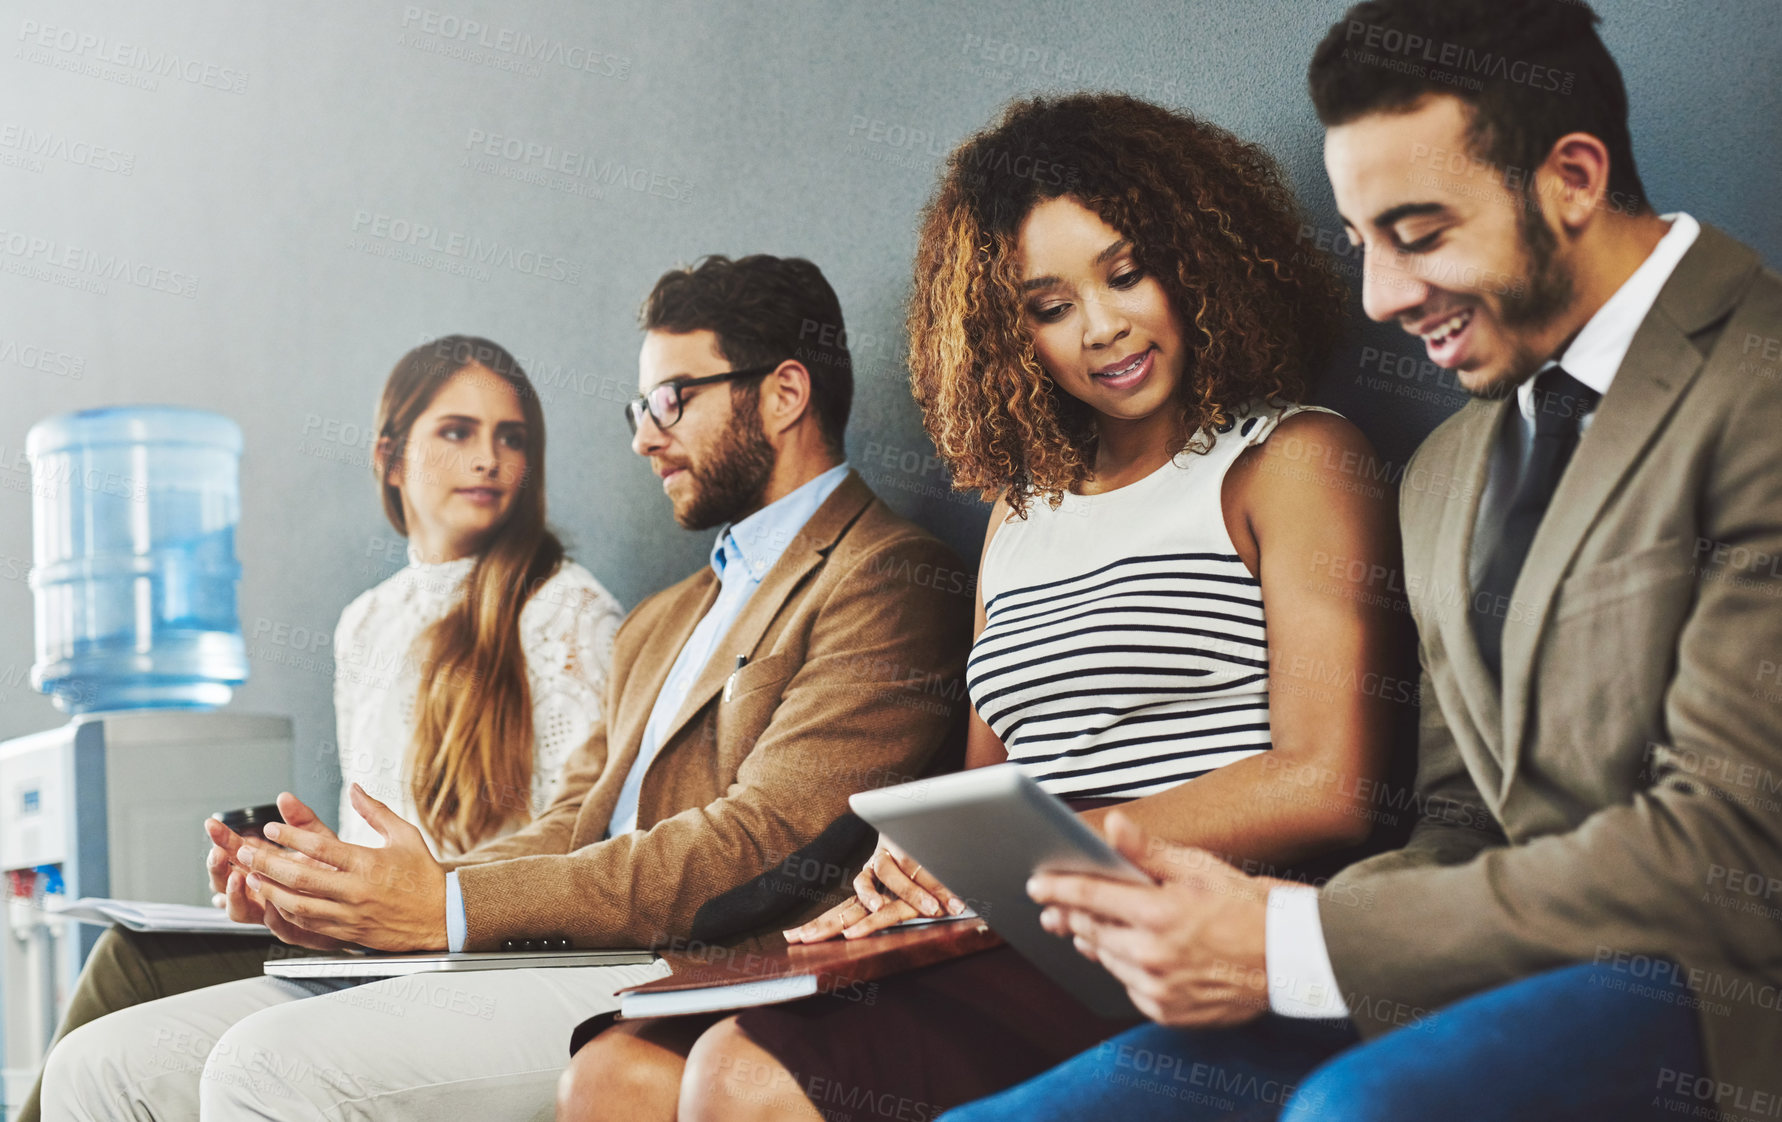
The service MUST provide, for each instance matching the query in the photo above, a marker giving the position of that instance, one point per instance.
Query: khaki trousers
(487, 1046)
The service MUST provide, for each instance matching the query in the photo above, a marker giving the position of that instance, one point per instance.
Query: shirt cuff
(1301, 983)
(455, 922)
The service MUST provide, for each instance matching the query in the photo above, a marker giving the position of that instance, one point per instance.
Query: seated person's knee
(60, 1071)
(610, 1068)
(619, 1073)
(1352, 1087)
(731, 1077)
(722, 1052)
(78, 1066)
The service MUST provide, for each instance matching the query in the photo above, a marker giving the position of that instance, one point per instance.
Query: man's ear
(785, 396)
(1574, 180)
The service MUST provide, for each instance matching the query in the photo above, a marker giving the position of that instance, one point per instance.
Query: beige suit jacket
(856, 641)
(1619, 799)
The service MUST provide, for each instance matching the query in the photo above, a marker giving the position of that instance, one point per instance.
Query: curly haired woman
(1110, 327)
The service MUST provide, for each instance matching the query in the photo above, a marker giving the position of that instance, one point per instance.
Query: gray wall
(794, 128)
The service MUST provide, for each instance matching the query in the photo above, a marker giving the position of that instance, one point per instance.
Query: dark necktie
(1560, 403)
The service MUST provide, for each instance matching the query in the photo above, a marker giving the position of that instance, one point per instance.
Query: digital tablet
(374, 965)
(983, 833)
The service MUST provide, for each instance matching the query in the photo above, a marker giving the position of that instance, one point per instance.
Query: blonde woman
(490, 639)
(461, 683)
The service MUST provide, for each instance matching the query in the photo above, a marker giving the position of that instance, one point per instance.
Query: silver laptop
(371, 964)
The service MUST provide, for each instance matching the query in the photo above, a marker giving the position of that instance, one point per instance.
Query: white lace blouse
(566, 631)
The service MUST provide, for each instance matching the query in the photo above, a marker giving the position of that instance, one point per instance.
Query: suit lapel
(669, 631)
(744, 634)
(1450, 561)
(806, 550)
(1659, 366)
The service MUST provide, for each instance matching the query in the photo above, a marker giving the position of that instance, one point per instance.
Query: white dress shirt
(1301, 982)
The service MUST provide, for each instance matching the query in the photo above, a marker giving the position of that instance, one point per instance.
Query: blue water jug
(134, 568)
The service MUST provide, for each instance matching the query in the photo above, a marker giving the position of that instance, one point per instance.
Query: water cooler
(138, 639)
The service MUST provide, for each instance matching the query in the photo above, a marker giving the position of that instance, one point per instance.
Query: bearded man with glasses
(733, 476)
(746, 703)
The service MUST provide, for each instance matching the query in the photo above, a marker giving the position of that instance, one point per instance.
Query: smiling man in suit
(817, 652)
(1584, 924)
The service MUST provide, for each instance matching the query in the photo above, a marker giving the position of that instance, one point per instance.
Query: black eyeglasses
(663, 402)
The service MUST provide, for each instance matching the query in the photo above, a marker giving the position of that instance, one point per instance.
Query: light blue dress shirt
(742, 556)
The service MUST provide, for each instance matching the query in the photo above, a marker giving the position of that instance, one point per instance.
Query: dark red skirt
(915, 1044)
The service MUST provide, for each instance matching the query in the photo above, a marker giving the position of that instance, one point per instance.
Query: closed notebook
(726, 979)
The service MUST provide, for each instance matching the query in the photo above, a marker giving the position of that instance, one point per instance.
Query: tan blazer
(856, 642)
(1615, 799)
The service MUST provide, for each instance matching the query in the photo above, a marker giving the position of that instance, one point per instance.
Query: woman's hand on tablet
(891, 888)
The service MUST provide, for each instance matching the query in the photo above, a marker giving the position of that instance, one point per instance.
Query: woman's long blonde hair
(469, 763)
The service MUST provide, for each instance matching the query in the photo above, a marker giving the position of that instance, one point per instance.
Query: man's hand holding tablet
(1189, 949)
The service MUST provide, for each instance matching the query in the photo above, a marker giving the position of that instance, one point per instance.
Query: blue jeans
(1568, 1044)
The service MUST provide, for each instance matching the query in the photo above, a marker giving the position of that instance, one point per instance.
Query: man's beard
(1549, 293)
(730, 481)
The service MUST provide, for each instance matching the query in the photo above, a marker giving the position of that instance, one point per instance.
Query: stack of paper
(139, 915)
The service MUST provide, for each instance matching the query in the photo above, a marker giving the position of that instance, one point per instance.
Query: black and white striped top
(1124, 649)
